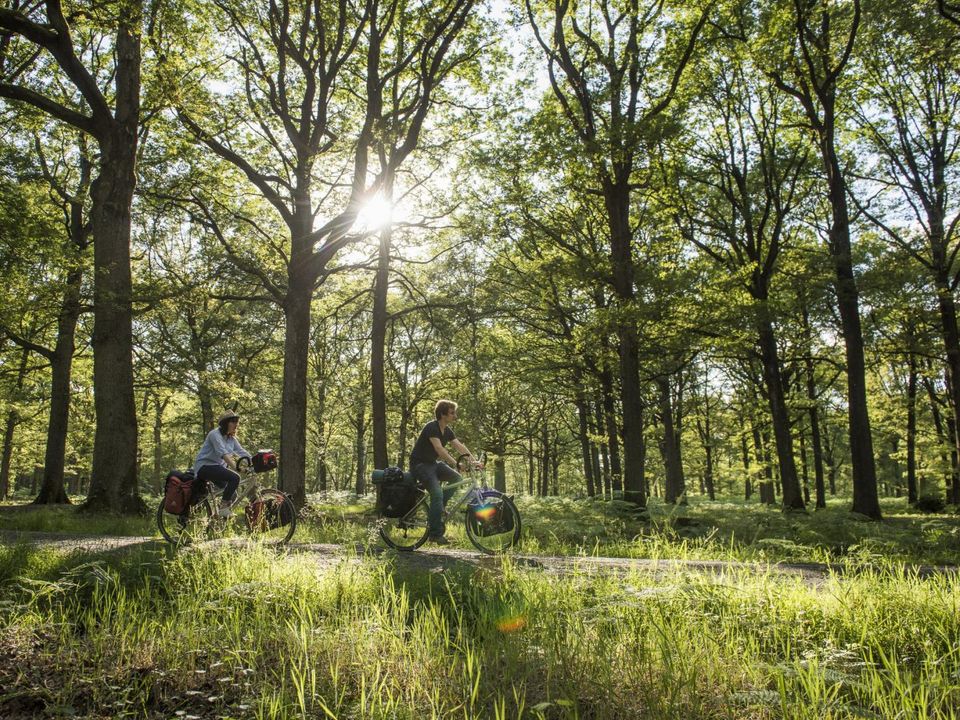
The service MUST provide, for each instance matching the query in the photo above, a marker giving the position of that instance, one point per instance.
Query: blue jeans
(221, 477)
(430, 475)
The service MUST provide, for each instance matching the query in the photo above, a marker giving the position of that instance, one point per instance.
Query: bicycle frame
(248, 485)
(475, 479)
(470, 496)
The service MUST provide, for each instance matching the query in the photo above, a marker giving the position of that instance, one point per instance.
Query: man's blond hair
(443, 407)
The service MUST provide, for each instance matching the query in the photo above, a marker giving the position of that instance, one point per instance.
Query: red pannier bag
(178, 492)
(255, 512)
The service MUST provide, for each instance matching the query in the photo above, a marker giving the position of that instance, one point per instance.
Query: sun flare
(376, 214)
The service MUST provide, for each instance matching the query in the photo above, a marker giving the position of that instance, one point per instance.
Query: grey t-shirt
(423, 450)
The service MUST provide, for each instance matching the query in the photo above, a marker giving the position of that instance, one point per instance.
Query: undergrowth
(245, 633)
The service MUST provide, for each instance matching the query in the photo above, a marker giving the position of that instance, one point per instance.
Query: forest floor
(716, 611)
(439, 560)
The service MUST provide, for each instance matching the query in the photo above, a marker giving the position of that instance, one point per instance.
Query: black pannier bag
(264, 460)
(397, 492)
(493, 517)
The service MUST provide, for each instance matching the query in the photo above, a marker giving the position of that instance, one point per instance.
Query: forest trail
(446, 559)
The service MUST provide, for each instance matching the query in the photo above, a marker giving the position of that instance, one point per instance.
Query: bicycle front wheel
(187, 527)
(493, 525)
(408, 532)
(271, 517)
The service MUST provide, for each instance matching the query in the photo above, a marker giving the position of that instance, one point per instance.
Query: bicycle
(491, 518)
(268, 515)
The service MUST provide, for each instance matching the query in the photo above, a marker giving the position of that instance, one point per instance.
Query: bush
(931, 504)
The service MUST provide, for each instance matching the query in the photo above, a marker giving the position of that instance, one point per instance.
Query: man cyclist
(217, 460)
(426, 466)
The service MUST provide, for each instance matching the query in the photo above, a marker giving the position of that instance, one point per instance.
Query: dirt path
(441, 560)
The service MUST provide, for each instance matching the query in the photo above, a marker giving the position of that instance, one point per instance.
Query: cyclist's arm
(239, 449)
(464, 450)
(443, 453)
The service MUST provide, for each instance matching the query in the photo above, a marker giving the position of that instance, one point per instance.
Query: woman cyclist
(217, 460)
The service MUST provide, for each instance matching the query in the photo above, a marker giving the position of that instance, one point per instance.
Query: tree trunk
(206, 406)
(113, 481)
(293, 413)
(613, 436)
(821, 501)
(912, 429)
(952, 476)
(545, 463)
(159, 472)
(13, 419)
(61, 359)
(52, 491)
(378, 342)
(803, 466)
(555, 465)
(500, 474)
(745, 454)
(708, 470)
(674, 484)
(530, 465)
(602, 468)
(944, 441)
(361, 452)
(7, 454)
(404, 429)
(865, 498)
(584, 436)
(593, 446)
(765, 486)
(617, 199)
(792, 498)
(322, 473)
(706, 439)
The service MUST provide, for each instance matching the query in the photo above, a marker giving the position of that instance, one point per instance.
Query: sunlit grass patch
(246, 632)
(71, 519)
(700, 530)
(735, 530)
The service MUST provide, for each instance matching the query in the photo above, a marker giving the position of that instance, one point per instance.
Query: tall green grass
(246, 633)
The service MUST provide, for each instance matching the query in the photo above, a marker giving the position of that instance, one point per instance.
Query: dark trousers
(222, 477)
(430, 475)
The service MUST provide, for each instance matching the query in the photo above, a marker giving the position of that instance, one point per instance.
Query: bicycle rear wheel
(408, 532)
(271, 517)
(193, 525)
(493, 525)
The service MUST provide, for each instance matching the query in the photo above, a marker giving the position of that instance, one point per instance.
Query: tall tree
(615, 69)
(308, 123)
(38, 55)
(820, 38)
(746, 181)
(910, 112)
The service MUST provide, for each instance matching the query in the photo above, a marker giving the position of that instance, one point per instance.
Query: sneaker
(438, 540)
(225, 511)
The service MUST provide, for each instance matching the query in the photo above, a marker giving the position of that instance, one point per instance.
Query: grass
(722, 530)
(246, 633)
